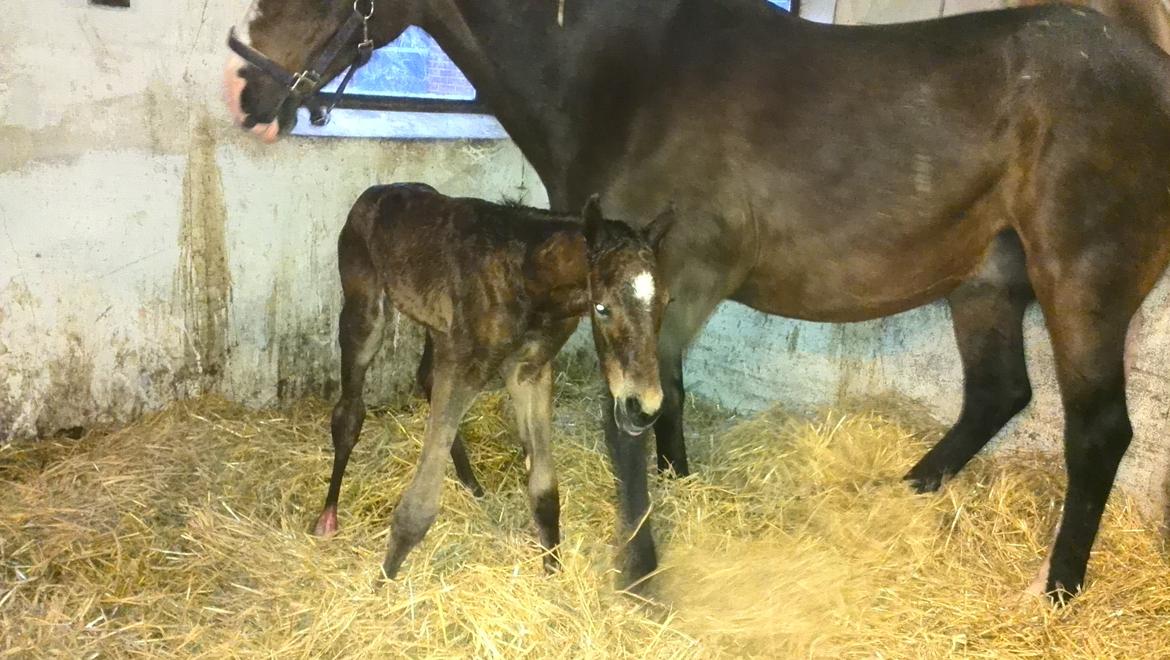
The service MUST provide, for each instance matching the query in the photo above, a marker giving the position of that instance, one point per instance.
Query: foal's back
(456, 262)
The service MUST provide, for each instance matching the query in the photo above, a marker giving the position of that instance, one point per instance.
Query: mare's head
(298, 36)
(626, 303)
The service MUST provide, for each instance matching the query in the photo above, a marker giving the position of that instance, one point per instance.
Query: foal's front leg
(530, 386)
(453, 392)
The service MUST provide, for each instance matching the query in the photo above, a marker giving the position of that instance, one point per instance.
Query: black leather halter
(303, 87)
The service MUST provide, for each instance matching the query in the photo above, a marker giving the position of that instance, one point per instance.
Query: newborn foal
(499, 289)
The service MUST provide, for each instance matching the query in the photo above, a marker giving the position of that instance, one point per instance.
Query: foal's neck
(558, 273)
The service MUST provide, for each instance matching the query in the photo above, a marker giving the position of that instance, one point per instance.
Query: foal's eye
(601, 310)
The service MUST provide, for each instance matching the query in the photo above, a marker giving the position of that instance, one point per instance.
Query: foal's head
(626, 300)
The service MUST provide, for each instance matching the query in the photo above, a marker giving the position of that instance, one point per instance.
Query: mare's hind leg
(360, 335)
(1090, 283)
(425, 379)
(453, 391)
(1088, 328)
(988, 315)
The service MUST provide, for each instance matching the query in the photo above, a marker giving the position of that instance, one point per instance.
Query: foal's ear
(660, 227)
(593, 219)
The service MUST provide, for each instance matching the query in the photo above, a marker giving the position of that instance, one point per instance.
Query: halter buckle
(304, 83)
(366, 15)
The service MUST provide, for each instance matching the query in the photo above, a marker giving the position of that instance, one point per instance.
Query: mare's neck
(557, 89)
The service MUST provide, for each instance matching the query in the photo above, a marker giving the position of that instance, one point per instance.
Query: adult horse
(826, 173)
(1149, 17)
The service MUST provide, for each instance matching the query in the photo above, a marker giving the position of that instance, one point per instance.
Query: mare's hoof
(326, 524)
(673, 470)
(1046, 585)
(476, 490)
(636, 577)
(552, 562)
(924, 482)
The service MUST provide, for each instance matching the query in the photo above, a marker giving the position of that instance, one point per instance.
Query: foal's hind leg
(425, 379)
(453, 392)
(360, 335)
(988, 315)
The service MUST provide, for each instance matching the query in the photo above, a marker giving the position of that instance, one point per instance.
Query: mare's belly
(817, 281)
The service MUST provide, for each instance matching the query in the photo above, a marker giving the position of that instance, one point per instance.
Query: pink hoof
(327, 523)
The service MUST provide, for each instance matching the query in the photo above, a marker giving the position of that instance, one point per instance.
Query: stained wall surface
(148, 249)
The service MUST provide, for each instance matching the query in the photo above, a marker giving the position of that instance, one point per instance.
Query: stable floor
(186, 535)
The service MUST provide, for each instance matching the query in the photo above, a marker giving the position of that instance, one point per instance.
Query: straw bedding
(186, 535)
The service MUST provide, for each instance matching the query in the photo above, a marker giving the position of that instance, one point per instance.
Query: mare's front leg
(360, 335)
(627, 454)
(693, 298)
(455, 388)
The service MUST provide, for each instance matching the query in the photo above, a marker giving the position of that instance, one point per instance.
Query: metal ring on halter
(366, 15)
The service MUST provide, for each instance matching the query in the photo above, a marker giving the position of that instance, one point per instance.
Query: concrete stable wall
(149, 250)
(749, 361)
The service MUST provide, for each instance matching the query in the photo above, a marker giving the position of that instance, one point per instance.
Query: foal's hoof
(326, 524)
(390, 569)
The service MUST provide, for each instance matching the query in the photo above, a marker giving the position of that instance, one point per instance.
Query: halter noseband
(302, 87)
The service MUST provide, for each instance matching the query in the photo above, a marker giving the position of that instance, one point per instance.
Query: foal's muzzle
(630, 417)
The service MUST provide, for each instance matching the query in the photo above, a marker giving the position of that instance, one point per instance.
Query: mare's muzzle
(303, 87)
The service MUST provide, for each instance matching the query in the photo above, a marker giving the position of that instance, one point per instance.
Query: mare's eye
(601, 310)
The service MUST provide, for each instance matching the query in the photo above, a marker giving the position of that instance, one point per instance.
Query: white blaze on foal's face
(644, 287)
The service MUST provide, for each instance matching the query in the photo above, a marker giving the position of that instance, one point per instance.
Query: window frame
(474, 106)
(387, 103)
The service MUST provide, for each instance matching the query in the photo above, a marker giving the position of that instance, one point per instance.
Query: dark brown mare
(499, 290)
(835, 174)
